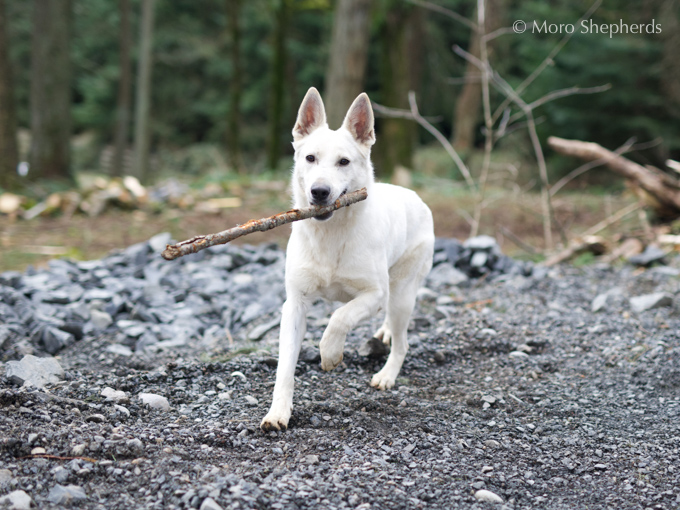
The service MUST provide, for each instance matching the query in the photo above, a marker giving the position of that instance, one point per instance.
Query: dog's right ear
(311, 115)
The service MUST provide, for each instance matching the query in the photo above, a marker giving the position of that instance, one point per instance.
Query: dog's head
(330, 163)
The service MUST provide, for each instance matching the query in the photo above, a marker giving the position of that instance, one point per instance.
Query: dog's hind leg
(405, 278)
(399, 309)
(342, 321)
(293, 328)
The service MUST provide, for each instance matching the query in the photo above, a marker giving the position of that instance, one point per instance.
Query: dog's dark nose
(320, 193)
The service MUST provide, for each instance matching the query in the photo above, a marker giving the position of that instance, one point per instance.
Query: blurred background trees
(227, 76)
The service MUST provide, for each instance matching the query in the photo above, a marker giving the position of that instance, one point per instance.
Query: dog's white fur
(371, 255)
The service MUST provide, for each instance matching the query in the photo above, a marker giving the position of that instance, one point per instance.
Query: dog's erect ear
(311, 115)
(359, 120)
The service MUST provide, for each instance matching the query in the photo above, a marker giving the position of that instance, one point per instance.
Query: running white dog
(370, 255)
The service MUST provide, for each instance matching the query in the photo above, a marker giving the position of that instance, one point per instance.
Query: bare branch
(525, 246)
(398, 113)
(588, 166)
(198, 243)
(440, 138)
(548, 60)
(446, 12)
(571, 91)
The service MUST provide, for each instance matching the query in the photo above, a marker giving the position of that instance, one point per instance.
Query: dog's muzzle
(321, 191)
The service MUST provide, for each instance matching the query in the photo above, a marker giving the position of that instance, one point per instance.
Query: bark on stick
(198, 243)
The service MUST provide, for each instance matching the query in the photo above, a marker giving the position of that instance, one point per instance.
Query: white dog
(371, 255)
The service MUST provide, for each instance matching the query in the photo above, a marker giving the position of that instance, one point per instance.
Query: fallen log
(198, 243)
(663, 188)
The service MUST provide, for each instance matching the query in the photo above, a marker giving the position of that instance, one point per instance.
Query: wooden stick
(198, 243)
(648, 181)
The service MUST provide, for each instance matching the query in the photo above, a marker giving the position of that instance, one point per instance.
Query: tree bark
(122, 132)
(468, 105)
(348, 56)
(235, 86)
(9, 156)
(667, 195)
(50, 90)
(398, 57)
(278, 78)
(143, 106)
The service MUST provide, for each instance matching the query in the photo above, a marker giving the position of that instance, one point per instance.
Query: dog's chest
(330, 273)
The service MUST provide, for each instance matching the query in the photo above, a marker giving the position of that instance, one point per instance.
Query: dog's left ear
(359, 120)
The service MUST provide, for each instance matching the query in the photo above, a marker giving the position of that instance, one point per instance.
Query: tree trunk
(124, 89)
(348, 56)
(143, 106)
(9, 156)
(399, 57)
(468, 105)
(234, 118)
(50, 90)
(278, 78)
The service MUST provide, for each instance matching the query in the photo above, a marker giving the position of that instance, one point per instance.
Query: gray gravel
(514, 388)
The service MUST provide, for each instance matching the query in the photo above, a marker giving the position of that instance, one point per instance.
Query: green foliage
(192, 71)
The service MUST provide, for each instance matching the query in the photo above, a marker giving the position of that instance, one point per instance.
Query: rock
(100, 320)
(251, 400)
(210, 504)
(649, 301)
(114, 395)
(488, 496)
(482, 243)
(96, 418)
(311, 459)
(66, 495)
(17, 500)
(479, 259)
(648, 257)
(119, 349)
(309, 354)
(258, 332)
(373, 348)
(155, 401)
(599, 302)
(5, 334)
(34, 371)
(445, 274)
(55, 339)
(5, 478)
(38, 450)
(61, 474)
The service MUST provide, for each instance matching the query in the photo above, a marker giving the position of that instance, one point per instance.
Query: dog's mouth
(324, 217)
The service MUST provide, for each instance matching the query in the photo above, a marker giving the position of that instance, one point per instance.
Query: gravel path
(514, 389)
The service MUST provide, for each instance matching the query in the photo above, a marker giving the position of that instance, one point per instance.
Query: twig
(510, 235)
(547, 61)
(440, 138)
(198, 243)
(446, 12)
(611, 219)
(398, 113)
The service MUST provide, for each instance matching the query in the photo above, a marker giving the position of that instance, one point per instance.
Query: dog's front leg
(342, 321)
(293, 328)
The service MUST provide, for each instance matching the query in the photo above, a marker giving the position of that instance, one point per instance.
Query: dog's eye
(311, 158)
(344, 162)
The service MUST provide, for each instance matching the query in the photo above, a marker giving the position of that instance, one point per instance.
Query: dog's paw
(382, 380)
(329, 362)
(273, 422)
(384, 334)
